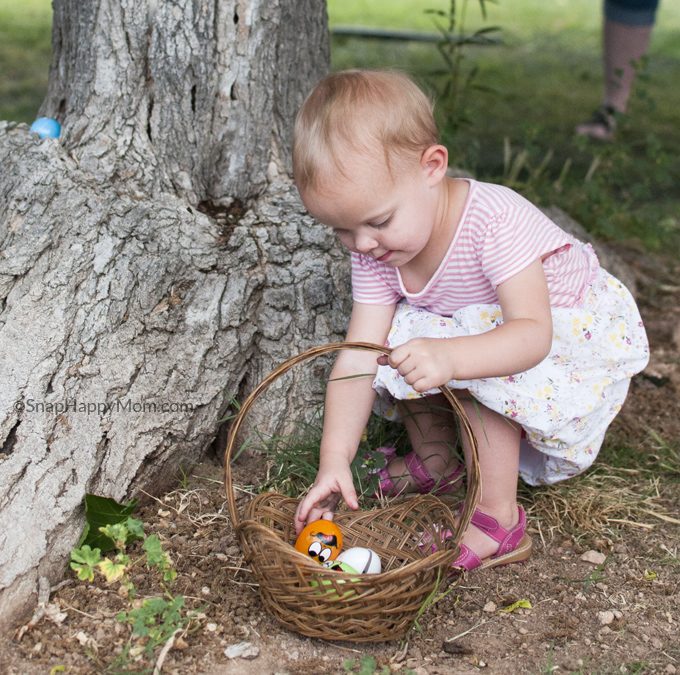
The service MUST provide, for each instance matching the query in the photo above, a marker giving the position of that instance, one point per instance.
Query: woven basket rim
(474, 477)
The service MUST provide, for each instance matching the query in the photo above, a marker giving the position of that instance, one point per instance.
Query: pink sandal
(514, 545)
(423, 482)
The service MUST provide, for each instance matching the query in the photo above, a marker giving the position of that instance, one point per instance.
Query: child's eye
(384, 223)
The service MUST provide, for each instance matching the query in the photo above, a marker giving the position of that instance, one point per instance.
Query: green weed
(455, 83)
(367, 665)
(156, 619)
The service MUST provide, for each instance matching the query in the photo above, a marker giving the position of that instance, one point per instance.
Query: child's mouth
(384, 257)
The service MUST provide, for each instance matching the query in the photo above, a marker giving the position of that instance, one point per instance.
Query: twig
(661, 516)
(160, 501)
(469, 630)
(630, 522)
(90, 616)
(347, 649)
(164, 652)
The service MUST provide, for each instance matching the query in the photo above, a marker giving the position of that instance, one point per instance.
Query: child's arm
(520, 343)
(348, 407)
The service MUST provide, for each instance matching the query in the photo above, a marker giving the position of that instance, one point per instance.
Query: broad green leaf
(169, 576)
(117, 532)
(525, 604)
(84, 560)
(85, 572)
(86, 555)
(154, 551)
(135, 529)
(100, 512)
(112, 570)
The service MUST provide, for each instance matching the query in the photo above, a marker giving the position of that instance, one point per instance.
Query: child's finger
(350, 496)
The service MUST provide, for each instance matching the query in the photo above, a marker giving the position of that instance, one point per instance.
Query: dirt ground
(623, 617)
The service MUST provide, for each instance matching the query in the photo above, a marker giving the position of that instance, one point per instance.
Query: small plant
(153, 621)
(453, 83)
(432, 599)
(367, 666)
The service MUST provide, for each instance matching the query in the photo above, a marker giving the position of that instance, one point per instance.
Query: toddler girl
(471, 286)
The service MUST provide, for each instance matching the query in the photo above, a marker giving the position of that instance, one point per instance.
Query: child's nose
(365, 243)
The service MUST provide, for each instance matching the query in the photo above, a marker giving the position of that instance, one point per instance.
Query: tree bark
(130, 277)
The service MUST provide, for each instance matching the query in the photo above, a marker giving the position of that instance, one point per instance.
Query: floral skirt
(566, 402)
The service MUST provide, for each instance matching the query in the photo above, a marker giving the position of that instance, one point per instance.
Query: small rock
(606, 631)
(82, 638)
(243, 650)
(571, 665)
(490, 607)
(671, 669)
(618, 614)
(593, 557)
(211, 627)
(205, 590)
(656, 643)
(53, 614)
(523, 631)
(605, 617)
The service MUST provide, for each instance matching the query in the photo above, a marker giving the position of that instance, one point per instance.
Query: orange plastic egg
(321, 540)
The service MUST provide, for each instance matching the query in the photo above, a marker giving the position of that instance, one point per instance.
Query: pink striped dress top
(500, 233)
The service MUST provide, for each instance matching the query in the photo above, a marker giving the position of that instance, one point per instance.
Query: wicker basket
(366, 608)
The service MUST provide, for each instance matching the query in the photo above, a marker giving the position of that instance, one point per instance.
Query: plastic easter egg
(363, 560)
(338, 567)
(321, 540)
(46, 126)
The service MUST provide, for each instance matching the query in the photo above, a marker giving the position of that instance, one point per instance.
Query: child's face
(388, 217)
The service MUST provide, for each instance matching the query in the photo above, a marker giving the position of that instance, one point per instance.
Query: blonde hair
(360, 110)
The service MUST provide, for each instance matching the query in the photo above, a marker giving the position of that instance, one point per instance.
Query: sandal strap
(467, 559)
(419, 473)
(507, 539)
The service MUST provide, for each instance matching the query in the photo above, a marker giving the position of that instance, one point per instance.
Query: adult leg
(626, 33)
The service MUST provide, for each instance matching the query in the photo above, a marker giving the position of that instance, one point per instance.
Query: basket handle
(473, 479)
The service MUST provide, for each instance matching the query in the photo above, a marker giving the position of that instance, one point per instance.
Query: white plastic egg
(363, 560)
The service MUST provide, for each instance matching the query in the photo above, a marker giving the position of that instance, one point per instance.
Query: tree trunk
(137, 295)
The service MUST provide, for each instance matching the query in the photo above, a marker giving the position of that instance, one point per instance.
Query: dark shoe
(601, 125)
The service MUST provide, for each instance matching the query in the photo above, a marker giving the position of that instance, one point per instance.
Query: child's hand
(424, 363)
(324, 496)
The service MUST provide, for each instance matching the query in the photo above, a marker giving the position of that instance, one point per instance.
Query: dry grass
(597, 504)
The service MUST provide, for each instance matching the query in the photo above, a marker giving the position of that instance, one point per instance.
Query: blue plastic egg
(46, 126)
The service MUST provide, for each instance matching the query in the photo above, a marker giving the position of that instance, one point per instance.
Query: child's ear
(435, 161)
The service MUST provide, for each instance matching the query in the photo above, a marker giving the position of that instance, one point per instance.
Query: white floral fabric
(566, 402)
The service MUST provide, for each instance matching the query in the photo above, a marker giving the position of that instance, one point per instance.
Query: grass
(546, 78)
(25, 53)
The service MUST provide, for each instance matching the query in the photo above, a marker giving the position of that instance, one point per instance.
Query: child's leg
(498, 441)
(433, 434)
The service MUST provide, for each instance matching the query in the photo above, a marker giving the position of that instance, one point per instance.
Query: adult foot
(601, 125)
